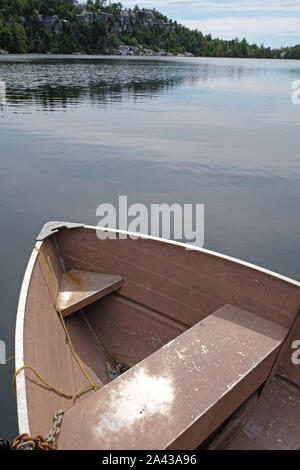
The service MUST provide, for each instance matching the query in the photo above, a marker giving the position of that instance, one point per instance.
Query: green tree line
(21, 31)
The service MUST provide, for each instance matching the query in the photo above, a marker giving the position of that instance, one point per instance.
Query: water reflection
(58, 82)
(59, 96)
(61, 82)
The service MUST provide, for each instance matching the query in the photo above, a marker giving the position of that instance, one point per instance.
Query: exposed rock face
(52, 23)
(105, 17)
(86, 17)
(126, 21)
(129, 21)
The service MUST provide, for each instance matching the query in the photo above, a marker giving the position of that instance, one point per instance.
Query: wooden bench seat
(181, 393)
(80, 288)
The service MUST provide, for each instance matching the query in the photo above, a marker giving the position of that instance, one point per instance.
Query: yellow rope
(66, 395)
(95, 387)
(9, 359)
(56, 390)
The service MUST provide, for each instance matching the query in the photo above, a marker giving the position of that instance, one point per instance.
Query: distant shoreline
(137, 57)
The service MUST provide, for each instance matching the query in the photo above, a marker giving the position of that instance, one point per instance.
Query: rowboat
(146, 344)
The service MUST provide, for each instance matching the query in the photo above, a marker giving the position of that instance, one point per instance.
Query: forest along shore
(99, 27)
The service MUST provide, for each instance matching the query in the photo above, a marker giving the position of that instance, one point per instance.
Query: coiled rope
(51, 387)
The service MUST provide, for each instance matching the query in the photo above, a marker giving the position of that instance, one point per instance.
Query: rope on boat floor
(112, 372)
(52, 289)
(51, 387)
(24, 441)
(38, 442)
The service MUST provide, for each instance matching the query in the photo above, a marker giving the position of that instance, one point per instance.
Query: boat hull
(166, 291)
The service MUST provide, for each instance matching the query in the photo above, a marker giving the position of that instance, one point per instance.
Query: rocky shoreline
(126, 50)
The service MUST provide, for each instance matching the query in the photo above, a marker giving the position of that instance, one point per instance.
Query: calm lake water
(79, 131)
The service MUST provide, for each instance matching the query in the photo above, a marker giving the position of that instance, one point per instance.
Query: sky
(274, 23)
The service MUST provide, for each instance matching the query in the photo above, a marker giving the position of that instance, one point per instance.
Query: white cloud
(209, 6)
(245, 26)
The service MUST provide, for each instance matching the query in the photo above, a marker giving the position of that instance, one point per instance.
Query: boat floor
(271, 423)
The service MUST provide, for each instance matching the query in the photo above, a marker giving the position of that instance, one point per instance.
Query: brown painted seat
(181, 393)
(80, 288)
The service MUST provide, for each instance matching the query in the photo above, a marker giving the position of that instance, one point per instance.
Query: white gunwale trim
(202, 250)
(19, 345)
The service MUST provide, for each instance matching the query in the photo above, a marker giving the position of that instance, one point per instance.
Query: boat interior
(206, 339)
